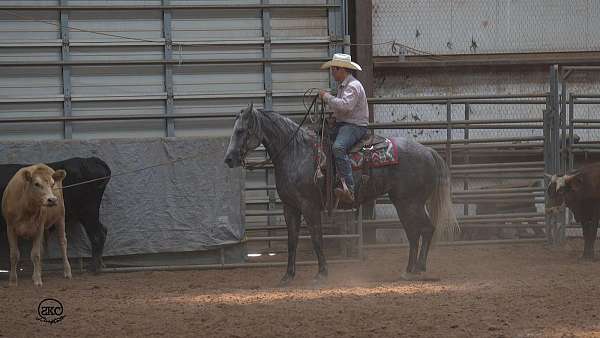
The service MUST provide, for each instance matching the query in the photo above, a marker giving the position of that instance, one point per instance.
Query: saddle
(369, 142)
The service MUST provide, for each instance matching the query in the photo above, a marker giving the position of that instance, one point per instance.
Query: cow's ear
(27, 176)
(59, 175)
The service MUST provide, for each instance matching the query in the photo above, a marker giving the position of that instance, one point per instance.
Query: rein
(262, 163)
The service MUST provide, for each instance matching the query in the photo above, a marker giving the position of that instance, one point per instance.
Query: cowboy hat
(341, 60)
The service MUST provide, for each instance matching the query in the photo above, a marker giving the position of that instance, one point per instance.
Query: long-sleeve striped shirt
(350, 104)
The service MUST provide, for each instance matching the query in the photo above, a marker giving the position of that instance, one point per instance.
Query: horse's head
(247, 136)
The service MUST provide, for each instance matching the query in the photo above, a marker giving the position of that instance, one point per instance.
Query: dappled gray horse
(421, 177)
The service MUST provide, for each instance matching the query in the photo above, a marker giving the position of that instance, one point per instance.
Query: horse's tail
(440, 207)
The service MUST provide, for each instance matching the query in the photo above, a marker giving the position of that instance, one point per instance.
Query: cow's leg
(14, 255)
(590, 229)
(96, 232)
(62, 241)
(36, 257)
(292, 219)
(312, 215)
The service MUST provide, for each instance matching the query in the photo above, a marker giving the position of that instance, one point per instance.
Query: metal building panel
(38, 3)
(30, 54)
(300, 50)
(117, 80)
(211, 52)
(146, 24)
(116, 108)
(486, 26)
(210, 127)
(218, 79)
(30, 81)
(31, 131)
(215, 2)
(28, 26)
(111, 129)
(210, 24)
(299, 23)
(113, 2)
(116, 53)
(297, 78)
(28, 131)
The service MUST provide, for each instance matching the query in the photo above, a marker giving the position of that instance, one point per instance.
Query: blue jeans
(344, 136)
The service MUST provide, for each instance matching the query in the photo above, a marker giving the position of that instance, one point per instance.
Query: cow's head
(41, 182)
(560, 187)
(246, 136)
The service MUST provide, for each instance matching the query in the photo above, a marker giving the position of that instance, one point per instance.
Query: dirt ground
(485, 291)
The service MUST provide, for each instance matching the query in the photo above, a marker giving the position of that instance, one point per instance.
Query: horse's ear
(251, 106)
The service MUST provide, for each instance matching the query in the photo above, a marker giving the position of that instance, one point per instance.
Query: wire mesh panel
(487, 26)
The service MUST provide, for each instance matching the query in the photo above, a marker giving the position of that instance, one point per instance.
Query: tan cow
(32, 203)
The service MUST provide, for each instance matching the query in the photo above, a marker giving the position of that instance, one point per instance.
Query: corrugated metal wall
(153, 59)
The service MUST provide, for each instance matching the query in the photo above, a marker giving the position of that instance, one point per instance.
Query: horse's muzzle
(231, 161)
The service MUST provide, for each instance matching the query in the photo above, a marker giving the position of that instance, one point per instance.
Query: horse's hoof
(319, 279)
(286, 280)
(418, 276)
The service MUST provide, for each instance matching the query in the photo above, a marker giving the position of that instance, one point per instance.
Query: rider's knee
(338, 149)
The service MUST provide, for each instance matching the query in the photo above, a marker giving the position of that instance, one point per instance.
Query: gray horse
(421, 177)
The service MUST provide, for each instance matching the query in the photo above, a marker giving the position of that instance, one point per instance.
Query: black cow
(82, 202)
(580, 191)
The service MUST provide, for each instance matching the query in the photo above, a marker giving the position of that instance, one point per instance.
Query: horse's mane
(282, 125)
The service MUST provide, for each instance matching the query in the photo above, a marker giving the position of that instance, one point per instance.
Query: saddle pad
(375, 157)
(384, 154)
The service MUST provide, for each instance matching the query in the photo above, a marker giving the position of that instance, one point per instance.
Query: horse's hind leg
(426, 231)
(409, 218)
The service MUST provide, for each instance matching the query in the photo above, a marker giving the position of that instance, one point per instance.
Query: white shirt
(350, 104)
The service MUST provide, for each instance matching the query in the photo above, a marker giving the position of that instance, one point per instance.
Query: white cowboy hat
(341, 60)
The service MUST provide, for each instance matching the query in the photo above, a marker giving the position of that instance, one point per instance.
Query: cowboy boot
(344, 194)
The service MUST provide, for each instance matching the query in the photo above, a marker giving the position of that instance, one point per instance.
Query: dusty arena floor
(485, 291)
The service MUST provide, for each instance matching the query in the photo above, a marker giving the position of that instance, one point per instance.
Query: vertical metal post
(66, 70)
(571, 131)
(467, 157)
(363, 37)
(449, 133)
(360, 232)
(563, 154)
(547, 163)
(222, 256)
(563, 128)
(268, 102)
(268, 70)
(168, 70)
(552, 147)
(333, 34)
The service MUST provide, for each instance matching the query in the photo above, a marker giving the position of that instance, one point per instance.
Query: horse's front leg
(292, 219)
(313, 219)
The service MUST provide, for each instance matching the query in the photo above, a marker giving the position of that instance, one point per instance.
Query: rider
(351, 114)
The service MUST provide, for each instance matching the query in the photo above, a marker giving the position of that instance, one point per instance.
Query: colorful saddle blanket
(371, 152)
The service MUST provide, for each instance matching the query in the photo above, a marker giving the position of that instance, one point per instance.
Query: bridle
(245, 149)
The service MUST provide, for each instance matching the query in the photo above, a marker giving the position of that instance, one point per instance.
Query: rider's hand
(322, 93)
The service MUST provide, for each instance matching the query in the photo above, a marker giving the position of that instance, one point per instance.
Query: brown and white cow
(580, 191)
(33, 202)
